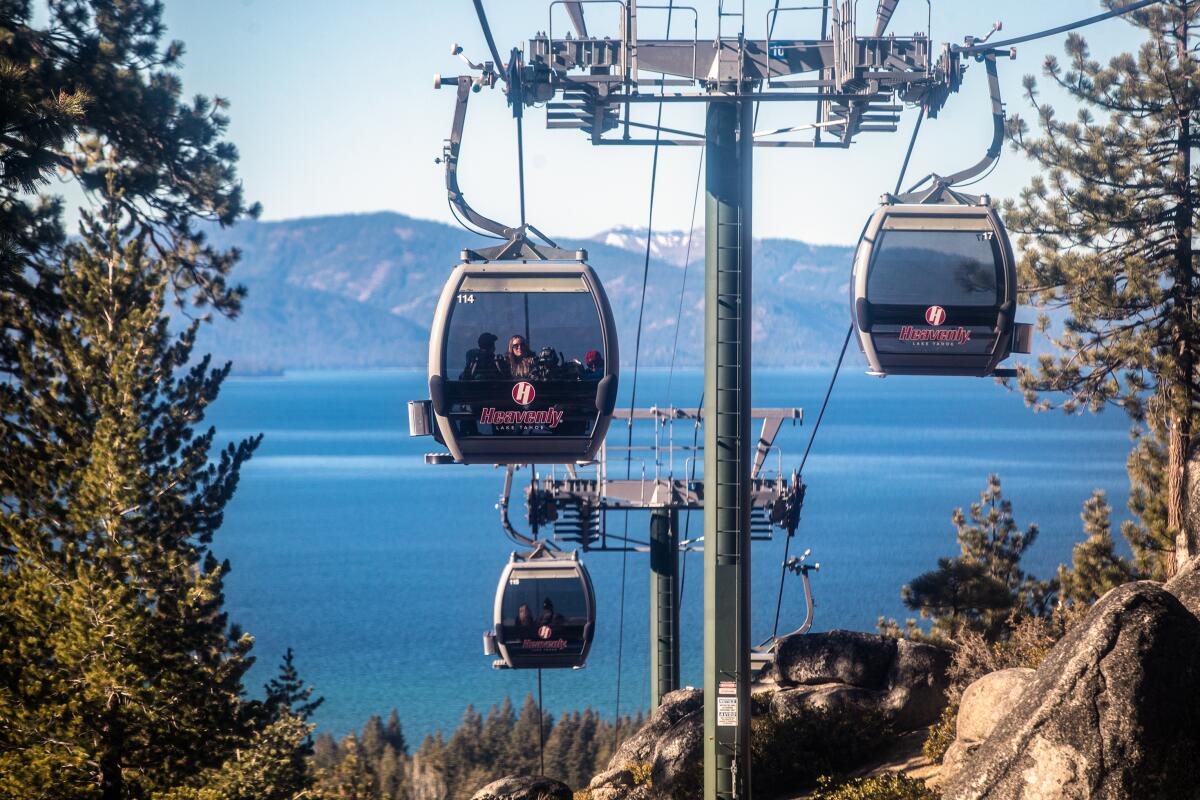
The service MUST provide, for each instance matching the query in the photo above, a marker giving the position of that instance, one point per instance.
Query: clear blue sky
(334, 111)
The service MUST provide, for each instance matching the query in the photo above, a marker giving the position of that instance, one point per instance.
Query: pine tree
(959, 595)
(1106, 233)
(582, 757)
(558, 748)
(463, 754)
(1148, 533)
(270, 767)
(394, 734)
(523, 755)
(427, 779)
(1096, 567)
(287, 692)
(373, 739)
(982, 589)
(325, 752)
(389, 775)
(120, 675)
(351, 778)
(91, 91)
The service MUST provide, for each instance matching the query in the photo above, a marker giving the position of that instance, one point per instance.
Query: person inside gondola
(524, 623)
(593, 366)
(520, 360)
(548, 620)
(481, 361)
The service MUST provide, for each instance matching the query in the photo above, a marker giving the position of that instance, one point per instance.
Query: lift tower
(575, 507)
(594, 84)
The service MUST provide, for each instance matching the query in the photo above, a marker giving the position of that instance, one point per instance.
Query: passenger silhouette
(548, 620)
(593, 365)
(524, 622)
(481, 361)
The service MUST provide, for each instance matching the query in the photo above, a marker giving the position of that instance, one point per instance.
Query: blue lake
(380, 571)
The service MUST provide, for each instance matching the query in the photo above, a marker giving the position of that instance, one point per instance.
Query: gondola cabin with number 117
(935, 289)
(523, 363)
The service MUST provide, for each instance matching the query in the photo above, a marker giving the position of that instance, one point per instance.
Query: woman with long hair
(520, 360)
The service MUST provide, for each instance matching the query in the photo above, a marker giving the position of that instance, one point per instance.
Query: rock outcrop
(904, 680)
(666, 753)
(517, 787)
(1186, 586)
(984, 703)
(1111, 713)
(823, 682)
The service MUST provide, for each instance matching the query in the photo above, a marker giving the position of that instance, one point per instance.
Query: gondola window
(950, 268)
(524, 363)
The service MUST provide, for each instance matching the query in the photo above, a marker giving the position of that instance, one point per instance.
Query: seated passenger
(593, 366)
(523, 627)
(546, 366)
(520, 361)
(481, 361)
(548, 617)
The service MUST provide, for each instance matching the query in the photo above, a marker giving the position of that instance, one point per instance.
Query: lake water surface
(380, 571)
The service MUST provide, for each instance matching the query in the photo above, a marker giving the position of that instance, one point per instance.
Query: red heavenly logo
(523, 393)
(935, 316)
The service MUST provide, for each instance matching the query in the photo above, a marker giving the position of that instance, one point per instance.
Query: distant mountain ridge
(359, 290)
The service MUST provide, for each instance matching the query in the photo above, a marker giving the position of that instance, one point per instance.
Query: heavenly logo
(935, 316)
(523, 393)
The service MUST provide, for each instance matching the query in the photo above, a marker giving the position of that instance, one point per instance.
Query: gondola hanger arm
(517, 245)
(940, 182)
(505, 523)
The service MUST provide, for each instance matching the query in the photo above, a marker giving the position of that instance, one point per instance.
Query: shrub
(791, 752)
(641, 773)
(891, 786)
(941, 734)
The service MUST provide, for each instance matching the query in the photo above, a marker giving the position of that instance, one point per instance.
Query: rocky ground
(1113, 713)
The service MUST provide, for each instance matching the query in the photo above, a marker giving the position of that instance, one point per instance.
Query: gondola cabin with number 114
(523, 363)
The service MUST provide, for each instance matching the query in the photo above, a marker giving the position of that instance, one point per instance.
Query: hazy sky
(334, 111)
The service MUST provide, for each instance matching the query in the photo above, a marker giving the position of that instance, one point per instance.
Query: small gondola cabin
(544, 614)
(523, 363)
(934, 289)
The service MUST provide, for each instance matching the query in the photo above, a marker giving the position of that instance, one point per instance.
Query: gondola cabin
(934, 290)
(545, 613)
(523, 363)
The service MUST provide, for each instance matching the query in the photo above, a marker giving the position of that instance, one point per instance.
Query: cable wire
(687, 523)
(908, 154)
(687, 260)
(487, 34)
(800, 472)
(541, 728)
(465, 226)
(637, 347)
(812, 437)
(1070, 26)
(521, 166)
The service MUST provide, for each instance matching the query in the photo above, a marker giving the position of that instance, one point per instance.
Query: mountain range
(359, 290)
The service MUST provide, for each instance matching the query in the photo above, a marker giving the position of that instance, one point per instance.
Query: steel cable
(637, 346)
(787, 544)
